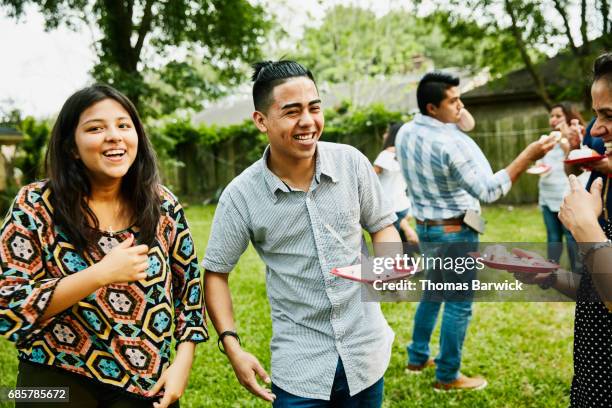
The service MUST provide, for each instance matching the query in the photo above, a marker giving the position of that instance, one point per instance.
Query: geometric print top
(121, 334)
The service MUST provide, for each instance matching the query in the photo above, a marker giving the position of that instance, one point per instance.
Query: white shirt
(392, 180)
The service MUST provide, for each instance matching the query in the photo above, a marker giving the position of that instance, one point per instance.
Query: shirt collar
(428, 121)
(323, 166)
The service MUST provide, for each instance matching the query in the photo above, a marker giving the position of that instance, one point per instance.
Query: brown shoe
(417, 369)
(462, 383)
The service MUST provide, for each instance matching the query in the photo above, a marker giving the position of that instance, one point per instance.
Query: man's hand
(247, 368)
(580, 209)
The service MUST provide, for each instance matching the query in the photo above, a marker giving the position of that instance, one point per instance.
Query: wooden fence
(206, 171)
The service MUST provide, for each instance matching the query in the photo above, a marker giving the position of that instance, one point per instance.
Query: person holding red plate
(587, 217)
(303, 206)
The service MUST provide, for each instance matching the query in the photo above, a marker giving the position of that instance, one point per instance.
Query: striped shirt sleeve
(229, 237)
(477, 181)
(376, 209)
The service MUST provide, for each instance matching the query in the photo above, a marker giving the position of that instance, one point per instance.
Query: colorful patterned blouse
(119, 335)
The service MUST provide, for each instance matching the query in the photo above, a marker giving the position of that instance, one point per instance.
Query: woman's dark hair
(70, 185)
(569, 111)
(432, 89)
(392, 130)
(269, 74)
(602, 67)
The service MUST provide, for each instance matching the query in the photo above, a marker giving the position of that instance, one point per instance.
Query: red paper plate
(353, 272)
(512, 267)
(585, 160)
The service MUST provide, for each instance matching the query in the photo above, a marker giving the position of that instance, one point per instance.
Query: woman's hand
(174, 378)
(581, 209)
(124, 263)
(603, 166)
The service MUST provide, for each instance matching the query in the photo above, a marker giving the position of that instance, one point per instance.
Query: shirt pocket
(343, 237)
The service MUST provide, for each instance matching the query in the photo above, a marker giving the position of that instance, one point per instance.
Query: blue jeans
(371, 397)
(457, 306)
(400, 216)
(555, 231)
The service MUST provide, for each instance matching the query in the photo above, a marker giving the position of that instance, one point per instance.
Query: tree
(532, 26)
(353, 43)
(137, 35)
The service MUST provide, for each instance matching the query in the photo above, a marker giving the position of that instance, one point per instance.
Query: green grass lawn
(523, 349)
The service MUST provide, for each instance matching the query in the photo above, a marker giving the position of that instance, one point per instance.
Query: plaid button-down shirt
(445, 170)
(316, 317)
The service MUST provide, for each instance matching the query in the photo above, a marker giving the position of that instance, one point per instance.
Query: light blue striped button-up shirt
(316, 317)
(445, 170)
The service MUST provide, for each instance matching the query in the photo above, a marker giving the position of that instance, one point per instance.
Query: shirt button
(307, 199)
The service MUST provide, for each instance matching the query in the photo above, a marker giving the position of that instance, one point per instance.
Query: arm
(410, 233)
(229, 238)
(122, 264)
(174, 378)
(189, 323)
(29, 296)
(246, 366)
(536, 150)
(565, 282)
(579, 214)
(477, 181)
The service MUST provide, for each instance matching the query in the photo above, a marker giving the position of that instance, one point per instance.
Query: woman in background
(394, 186)
(553, 185)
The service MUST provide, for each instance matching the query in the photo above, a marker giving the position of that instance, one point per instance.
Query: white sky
(39, 69)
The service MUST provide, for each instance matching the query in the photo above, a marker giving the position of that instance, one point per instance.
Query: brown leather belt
(449, 221)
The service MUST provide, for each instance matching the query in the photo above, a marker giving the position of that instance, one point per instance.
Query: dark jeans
(555, 231)
(371, 397)
(400, 216)
(83, 392)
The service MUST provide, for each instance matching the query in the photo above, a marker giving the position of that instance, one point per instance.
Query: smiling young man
(447, 174)
(303, 206)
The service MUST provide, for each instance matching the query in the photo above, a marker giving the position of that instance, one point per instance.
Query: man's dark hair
(602, 67)
(432, 89)
(269, 74)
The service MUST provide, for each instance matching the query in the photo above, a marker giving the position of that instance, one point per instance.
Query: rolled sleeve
(229, 237)
(376, 209)
(484, 185)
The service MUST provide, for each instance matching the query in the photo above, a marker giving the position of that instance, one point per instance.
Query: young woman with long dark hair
(99, 271)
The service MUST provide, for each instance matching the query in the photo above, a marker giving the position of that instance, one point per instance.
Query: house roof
(10, 136)
(397, 93)
(558, 73)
